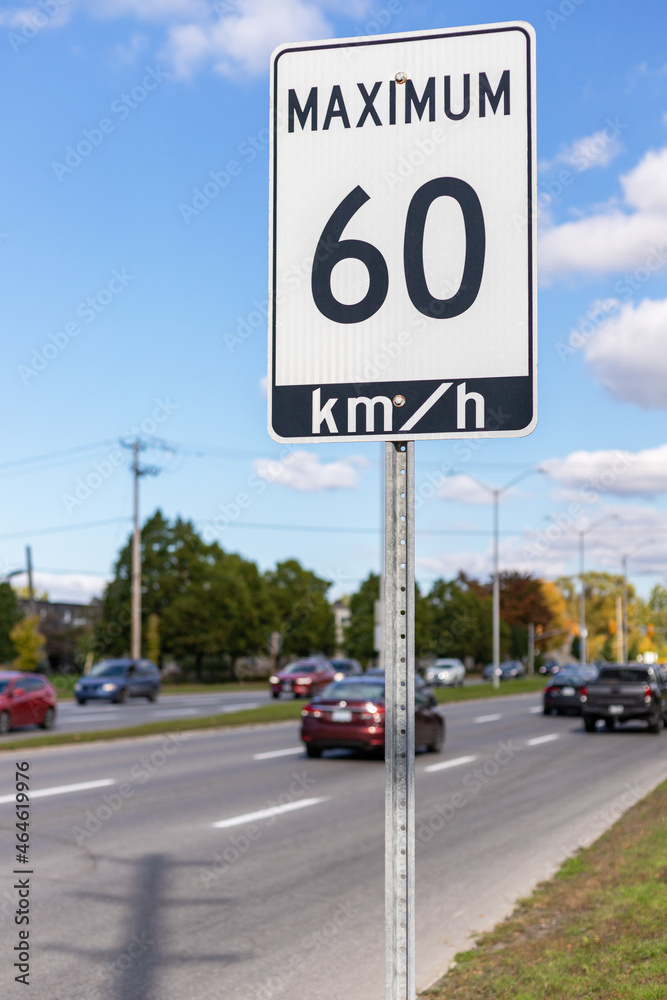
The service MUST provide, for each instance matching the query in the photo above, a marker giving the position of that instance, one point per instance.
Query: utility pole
(624, 627)
(136, 561)
(31, 591)
(135, 614)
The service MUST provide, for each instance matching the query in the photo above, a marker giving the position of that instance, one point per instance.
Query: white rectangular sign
(403, 237)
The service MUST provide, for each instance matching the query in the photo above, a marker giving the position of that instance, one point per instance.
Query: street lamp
(583, 632)
(625, 632)
(496, 492)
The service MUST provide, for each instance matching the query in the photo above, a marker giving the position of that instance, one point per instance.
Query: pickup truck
(626, 692)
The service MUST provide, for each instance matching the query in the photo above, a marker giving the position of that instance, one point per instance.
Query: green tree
(10, 613)
(459, 621)
(29, 643)
(305, 617)
(210, 604)
(360, 630)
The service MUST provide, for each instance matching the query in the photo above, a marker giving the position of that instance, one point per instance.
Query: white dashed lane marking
(267, 813)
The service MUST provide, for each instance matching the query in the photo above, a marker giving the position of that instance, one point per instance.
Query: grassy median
(596, 931)
(280, 711)
(525, 685)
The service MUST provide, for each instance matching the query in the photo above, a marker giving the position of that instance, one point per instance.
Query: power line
(61, 528)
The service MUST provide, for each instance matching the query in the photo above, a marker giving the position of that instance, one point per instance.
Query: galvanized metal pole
(399, 597)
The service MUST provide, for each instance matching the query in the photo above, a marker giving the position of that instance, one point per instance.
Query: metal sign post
(399, 648)
(402, 300)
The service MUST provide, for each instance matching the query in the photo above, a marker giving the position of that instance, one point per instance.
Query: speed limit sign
(403, 237)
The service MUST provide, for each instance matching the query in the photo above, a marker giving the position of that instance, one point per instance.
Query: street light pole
(583, 631)
(496, 492)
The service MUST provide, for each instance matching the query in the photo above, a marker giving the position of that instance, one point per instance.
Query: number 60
(331, 250)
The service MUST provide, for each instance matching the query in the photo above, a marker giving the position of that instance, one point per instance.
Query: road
(226, 864)
(137, 711)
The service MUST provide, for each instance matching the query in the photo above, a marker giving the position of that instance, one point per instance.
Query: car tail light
(584, 693)
(648, 694)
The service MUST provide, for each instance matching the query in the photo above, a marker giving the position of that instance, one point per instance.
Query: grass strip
(279, 712)
(525, 685)
(596, 931)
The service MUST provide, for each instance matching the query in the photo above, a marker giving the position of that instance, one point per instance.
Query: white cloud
(614, 238)
(619, 473)
(462, 489)
(628, 353)
(303, 471)
(596, 150)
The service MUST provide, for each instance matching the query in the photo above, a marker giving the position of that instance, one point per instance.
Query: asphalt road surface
(226, 864)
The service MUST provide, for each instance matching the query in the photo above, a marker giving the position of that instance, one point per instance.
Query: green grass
(596, 931)
(526, 685)
(280, 711)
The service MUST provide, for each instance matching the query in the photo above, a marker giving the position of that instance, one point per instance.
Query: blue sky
(125, 312)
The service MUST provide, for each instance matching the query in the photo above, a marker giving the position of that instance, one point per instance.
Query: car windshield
(346, 691)
(341, 664)
(628, 674)
(107, 668)
(301, 668)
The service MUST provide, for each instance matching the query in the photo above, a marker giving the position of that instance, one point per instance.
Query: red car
(350, 714)
(26, 700)
(302, 678)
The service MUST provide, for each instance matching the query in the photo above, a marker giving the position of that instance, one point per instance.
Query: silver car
(445, 672)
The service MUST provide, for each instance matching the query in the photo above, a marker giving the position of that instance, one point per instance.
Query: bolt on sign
(403, 294)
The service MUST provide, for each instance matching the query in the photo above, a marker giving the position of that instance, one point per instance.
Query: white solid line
(426, 406)
(62, 789)
(542, 739)
(535, 710)
(487, 718)
(278, 753)
(267, 813)
(223, 710)
(450, 763)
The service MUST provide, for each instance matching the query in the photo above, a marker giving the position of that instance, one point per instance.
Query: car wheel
(5, 723)
(609, 723)
(81, 701)
(656, 723)
(589, 725)
(560, 711)
(275, 694)
(121, 697)
(313, 751)
(49, 719)
(436, 745)
(152, 696)
(546, 711)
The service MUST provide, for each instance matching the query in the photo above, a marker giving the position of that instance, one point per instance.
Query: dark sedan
(509, 670)
(565, 693)
(302, 677)
(118, 680)
(350, 714)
